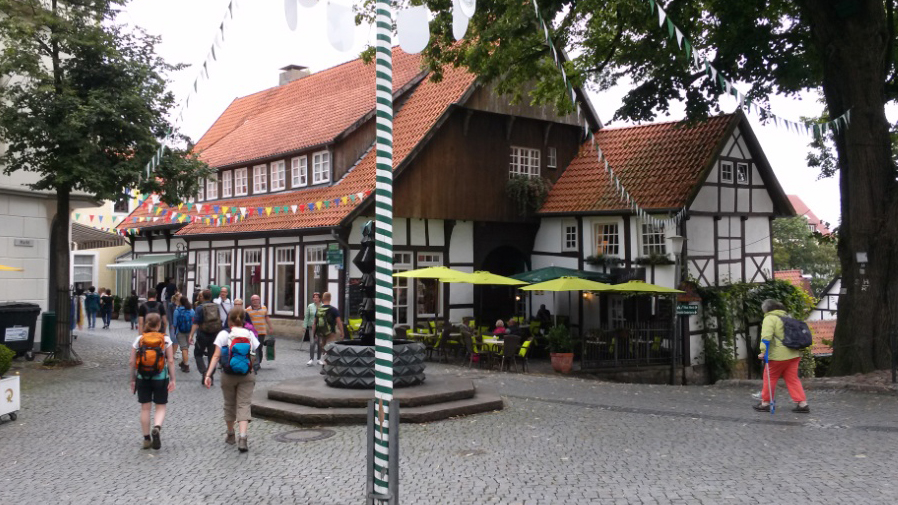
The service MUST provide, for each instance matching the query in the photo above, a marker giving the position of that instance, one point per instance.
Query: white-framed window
(427, 291)
(83, 270)
(653, 240)
(742, 173)
(299, 171)
(402, 261)
(227, 185)
(524, 161)
(223, 272)
(260, 179)
(316, 271)
(212, 187)
(252, 273)
(726, 171)
(569, 236)
(278, 175)
(607, 239)
(812, 227)
(241, 184)
(201, 193)
(321, 167)
(202, 269)
(285, 280)
(551, 157)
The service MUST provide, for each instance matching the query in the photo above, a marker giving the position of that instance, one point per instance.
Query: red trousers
(789, 371)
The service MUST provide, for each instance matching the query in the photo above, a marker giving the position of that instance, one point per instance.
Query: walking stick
(769, 384)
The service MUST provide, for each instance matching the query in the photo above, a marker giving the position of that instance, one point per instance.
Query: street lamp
(676, 244)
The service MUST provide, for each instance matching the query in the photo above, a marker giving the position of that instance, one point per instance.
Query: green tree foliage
(83, 104)
(844, 48)
(796, 247)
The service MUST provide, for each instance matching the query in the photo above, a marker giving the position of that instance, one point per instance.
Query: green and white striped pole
(383, 250)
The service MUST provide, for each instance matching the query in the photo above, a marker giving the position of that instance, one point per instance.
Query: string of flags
(729, 88)
(211, 57)
(211, 214)
(621, 191)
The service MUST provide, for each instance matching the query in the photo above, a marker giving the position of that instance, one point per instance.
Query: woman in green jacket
(781, 360)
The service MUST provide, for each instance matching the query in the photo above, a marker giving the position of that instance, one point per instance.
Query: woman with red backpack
(235, 347)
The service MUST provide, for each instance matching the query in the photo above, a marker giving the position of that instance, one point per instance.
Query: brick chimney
(291, 73)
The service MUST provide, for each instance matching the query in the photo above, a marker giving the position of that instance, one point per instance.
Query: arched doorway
(498, 302)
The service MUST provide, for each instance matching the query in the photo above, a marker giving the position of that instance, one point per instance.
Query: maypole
(383, 251)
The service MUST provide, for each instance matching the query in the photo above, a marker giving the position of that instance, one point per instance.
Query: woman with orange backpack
(235, 347)
(152, 377)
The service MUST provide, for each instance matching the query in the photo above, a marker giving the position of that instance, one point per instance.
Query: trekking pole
(769, 384)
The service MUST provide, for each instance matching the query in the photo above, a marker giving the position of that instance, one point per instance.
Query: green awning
(150, 260)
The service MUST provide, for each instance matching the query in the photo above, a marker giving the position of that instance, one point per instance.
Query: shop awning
(89, 238)
(150, 260)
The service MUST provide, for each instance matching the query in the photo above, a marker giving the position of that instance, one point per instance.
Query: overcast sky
(258, 43)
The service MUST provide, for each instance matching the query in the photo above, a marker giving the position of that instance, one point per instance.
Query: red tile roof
(412, 121)
(300, 114)
(803, 210)
(822, 330)
(660, 165)
(795, 278)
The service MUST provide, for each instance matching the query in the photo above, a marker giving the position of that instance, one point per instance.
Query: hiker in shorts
(327, 325)
(152, 377)
(258, 313)
(307, 323)
(236, 385)
(149, 307)
(184, 316)
(206, 325)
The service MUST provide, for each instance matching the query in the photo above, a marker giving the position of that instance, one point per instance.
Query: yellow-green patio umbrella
(9, 269)
(567, 284)
(442, 274)
(643, 287)
(482, 277)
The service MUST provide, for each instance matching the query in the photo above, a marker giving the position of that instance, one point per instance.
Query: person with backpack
(258, 313)
(308, 323)
(183, 316)
(92, 306)
(235, 347)
(327, 326)
(131, 308)
(152, 367)
(781, 356)
(225, 304)
(151, 306)
(206, 326)
(107, 303)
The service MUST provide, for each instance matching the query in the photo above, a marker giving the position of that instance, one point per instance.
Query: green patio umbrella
(567, 284)
(554, 272)
(643, 287)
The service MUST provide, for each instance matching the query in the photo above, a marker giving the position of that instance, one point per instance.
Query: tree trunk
(63, 328)
(852, 38)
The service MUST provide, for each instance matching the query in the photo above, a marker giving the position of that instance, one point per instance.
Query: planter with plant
(603, 260)
(527, 193)
(116, 306)
(561, 349)
(654, 259)
(9, 385)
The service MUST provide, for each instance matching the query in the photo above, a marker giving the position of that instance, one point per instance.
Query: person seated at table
(500, 328)
(514, 328)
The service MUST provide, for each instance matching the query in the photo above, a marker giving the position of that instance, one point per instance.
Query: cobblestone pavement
(559, 441)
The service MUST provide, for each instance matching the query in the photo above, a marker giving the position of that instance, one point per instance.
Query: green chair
(534, 327)
(524, 353)
(355, 324)
(656, 344)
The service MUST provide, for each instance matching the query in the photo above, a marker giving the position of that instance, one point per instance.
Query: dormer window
(299, 172)
(551, 157)
(524, 162)
(321, 167)
(241, 182)
(742, 173)
(227, 187)
(201, 192)
(260, 179)
(212, 187)
(278, 175)
(726, 171)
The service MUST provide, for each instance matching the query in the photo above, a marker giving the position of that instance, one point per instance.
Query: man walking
(258, 314)
(149, 307)
(207, 324)
(308, 323)
(166, 296)
(224, 305)
(327, 325)
(92, 306)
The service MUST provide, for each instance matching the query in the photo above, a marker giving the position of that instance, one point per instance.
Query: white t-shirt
(224, 307)
(224, 335)
(137, 342)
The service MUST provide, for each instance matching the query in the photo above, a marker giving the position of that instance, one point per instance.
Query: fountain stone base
(349, 364)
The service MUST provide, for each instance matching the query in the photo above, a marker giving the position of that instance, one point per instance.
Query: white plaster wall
(219, 243)
(418, 234)
(282, 240)
(829, 304)
(744, 195)
(757, 235)
(159, 245)
(727, 197)
(743, 151)
(436, 232)
(324, 237)
(461, 244)
(400, 231)
(756, 180)
(199, 244)
(141, 246)
(700, 236)
(728, 147)
(251, 242)
(706, 199)
(761, 201)
(541, 261)
(548, 238)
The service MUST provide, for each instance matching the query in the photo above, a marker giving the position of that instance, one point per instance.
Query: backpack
(324, 323)
(154, 306)
(211, 318)
(151, 353)
(185, 321)
(796, 334)
(236, 357)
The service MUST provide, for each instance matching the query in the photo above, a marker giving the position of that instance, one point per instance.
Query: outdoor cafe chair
(473, 350)
(484, 350)
(524, 353)
(534, 327)
(510, 348)
(401, 332)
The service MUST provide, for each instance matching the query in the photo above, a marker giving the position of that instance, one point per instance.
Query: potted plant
(9, 386)
(561, 349)
(116, 306)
